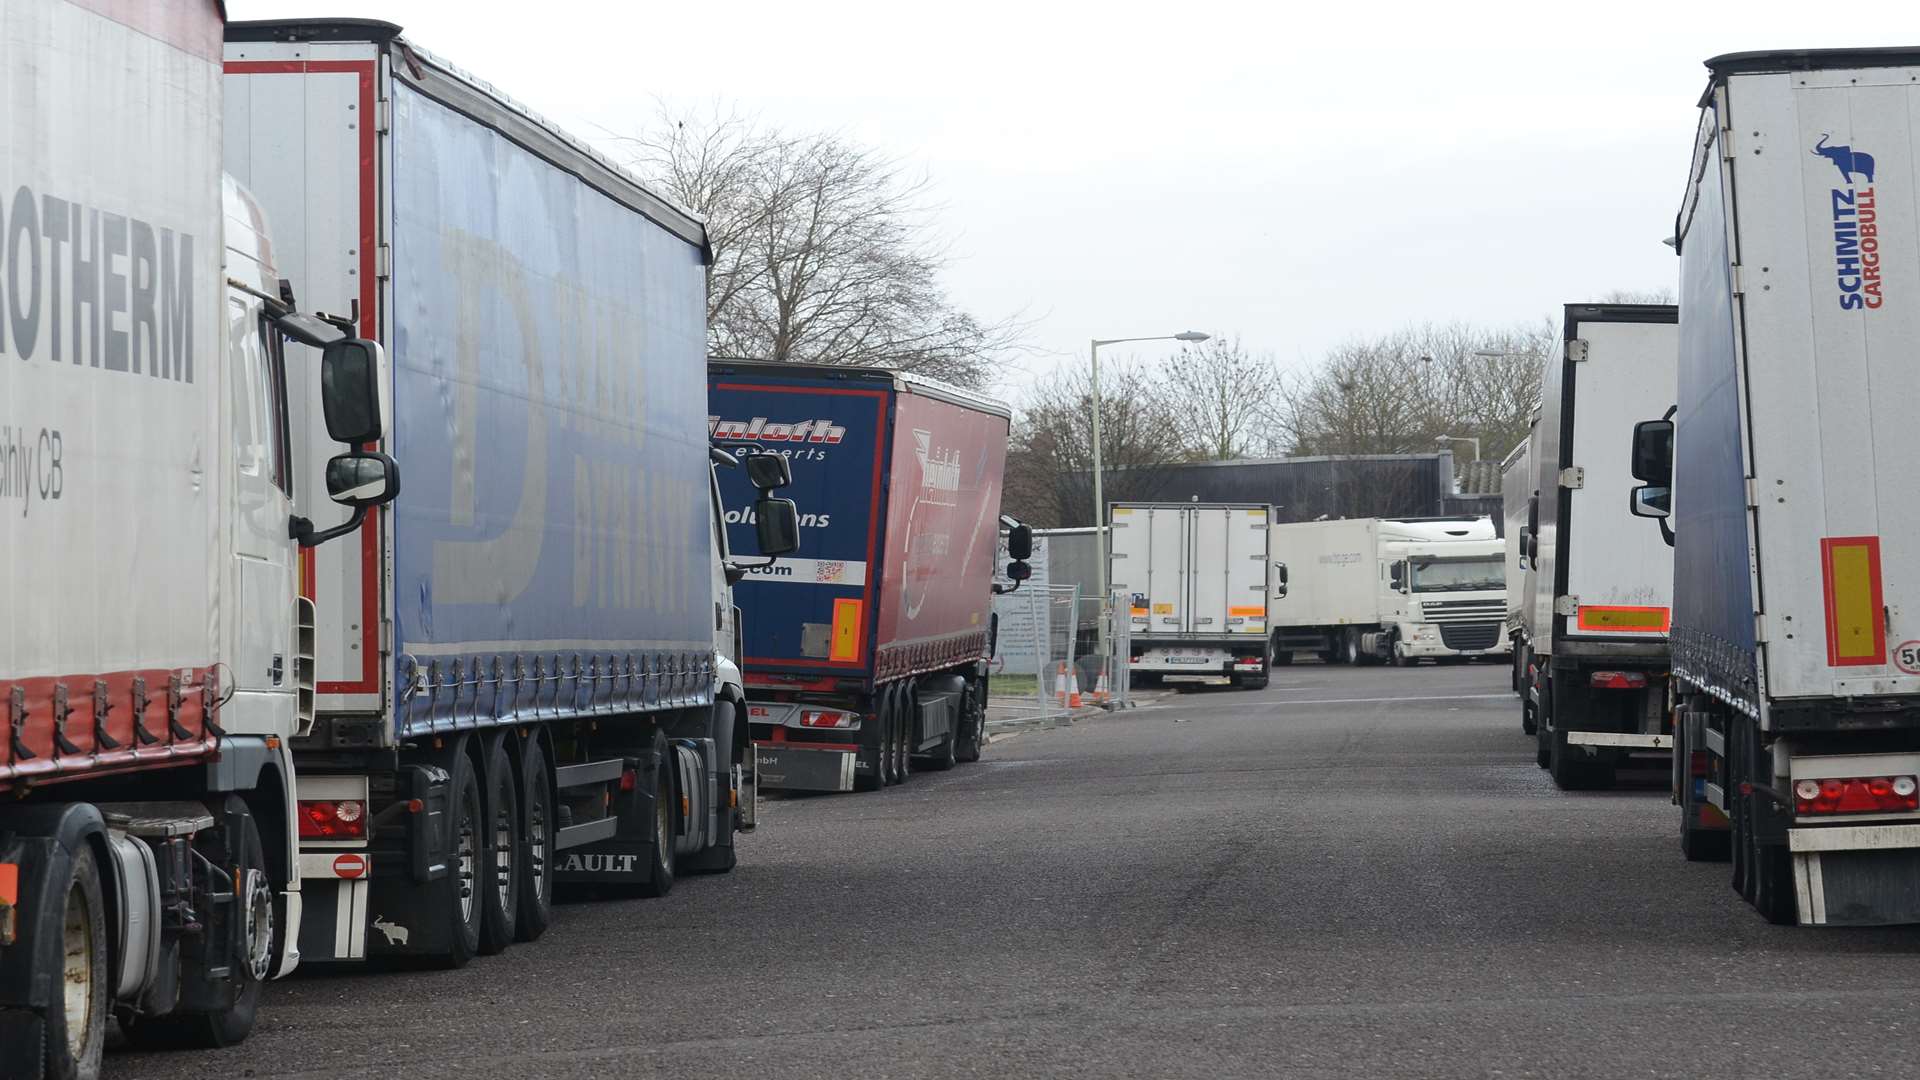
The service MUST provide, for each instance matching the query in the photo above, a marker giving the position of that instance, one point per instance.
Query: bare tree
(1222, 395)
(823, 250)
(1662, 295)
(1050, 455)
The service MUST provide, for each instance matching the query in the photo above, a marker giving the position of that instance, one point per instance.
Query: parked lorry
(523, 676)
(1784, 477)
(1366, 590)
(867, 656)
(1598, 598)
(155, 659)
(1196, 577)
(1516, 489)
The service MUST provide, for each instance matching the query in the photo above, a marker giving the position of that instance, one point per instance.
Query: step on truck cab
(866, 654)
(1598, 603)
(518, 684)
(1397, 590)
(155, 656)
(1195, 577)
(1785, 479)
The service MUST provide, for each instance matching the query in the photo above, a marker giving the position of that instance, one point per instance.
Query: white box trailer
(1196, 579)
(1593, 628)
(1361, 590)
(1788, 473)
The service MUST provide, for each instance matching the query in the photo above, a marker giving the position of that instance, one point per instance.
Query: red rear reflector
(825, 718)
(9, 899)
(1857, 795)
(329, 819)
(1617, 680)
(1700, 763)
(629, 778)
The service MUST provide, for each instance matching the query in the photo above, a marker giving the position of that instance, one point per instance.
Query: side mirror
(1653, 453)
(362, 478)
(776, 524)
(1650, 501)
(1020, 543)
(769, 472)
(1018, 570)
(350, 390)
(1280, 580)
(1397, 576)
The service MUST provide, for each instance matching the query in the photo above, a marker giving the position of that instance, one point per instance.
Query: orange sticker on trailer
(1605, 618)
(846, 630)
(1252, 612)
(1850, 579)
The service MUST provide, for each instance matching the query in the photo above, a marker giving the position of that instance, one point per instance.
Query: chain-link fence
(1048, 663)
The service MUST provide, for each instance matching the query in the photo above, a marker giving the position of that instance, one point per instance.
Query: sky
(1296, 175)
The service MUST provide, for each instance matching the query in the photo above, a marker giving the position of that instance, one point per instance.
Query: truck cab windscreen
(1457, 575)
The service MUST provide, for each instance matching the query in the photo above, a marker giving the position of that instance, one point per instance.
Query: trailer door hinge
(383, 116)
(1753, 500)
(1577, 350)
(1566, 605)
(1734, 273)
(1573, 477)
(383, 261)
(1760, 636)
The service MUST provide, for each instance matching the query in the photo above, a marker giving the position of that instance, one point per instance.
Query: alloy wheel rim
(77, 978)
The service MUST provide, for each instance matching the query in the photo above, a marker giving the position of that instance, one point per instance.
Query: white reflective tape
(1854, 838)
(1615, 738)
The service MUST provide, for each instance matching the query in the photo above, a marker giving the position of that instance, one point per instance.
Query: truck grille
(1479, 635)
(1445, 611)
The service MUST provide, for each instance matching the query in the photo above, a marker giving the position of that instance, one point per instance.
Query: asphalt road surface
(1356, 873)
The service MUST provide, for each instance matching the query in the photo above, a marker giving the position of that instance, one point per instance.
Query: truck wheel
(502, 852)
(535, 909)
(248, 923)
(459, 899)
(1350, 646)
(1400, 657)
(659, 879)
(973, 725)
(874, 747)
(1570, 769)
(75, 1031)
(947, 754)
(1528, 722)
(719, 857)
(1763, 873)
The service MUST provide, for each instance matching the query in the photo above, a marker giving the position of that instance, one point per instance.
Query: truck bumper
(1857, 875)
(1425, 648)
(1209, 659)
(800, 767)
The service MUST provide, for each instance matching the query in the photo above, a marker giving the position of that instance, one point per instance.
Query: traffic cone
(1060, 686)
(1100, 688)
(1073, 691)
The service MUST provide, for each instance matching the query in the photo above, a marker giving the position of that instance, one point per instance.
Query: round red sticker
(1906, 657)
(350, 866)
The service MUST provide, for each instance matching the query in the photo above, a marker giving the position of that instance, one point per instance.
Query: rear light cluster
(1617, 680)
(1857, 795)
(826, 718)
(329, 819)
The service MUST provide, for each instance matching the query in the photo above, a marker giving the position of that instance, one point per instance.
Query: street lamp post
(1099, 492)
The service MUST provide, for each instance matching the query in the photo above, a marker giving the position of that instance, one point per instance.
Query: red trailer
(866, 655)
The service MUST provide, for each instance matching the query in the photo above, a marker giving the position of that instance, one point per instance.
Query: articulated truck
(155, 657)
(1784, 480)
(525, 673)
(866, 656)
(1596, 599)
(1395, 590)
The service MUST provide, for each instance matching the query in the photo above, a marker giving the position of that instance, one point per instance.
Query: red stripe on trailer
(369, 328)
(61, 727)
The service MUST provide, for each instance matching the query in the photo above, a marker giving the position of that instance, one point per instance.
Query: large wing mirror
(1280, 580)
(776, 522)
(769, 472)
(350, 390)
(1019, 550)
(1653, 452)
(1020, 542)
(1397, 576)
(362, 478)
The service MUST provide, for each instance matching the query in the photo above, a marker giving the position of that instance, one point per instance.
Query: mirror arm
(1002, 590)
(1666, 531)
(302, 531)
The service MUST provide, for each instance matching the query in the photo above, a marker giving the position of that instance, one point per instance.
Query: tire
(666, 808)
(1400, 657)
(903, 732)
(973, 726)
(1766, 878)
(502, 851)
(75, 1031)
(1569, 768)
(460, 889)
(252, 920)
(1350, 646)
(538, 820)
(873, 747)
(1529, 723)
(719, 857)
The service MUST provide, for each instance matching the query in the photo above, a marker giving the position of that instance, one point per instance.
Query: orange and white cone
(1073, 691)
(1060, 686)
(1100, 688)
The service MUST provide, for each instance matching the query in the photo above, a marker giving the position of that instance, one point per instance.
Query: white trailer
(155, 660)
(1362, 590)
(1787, 472)
(1593, 628)
(1196, 576)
